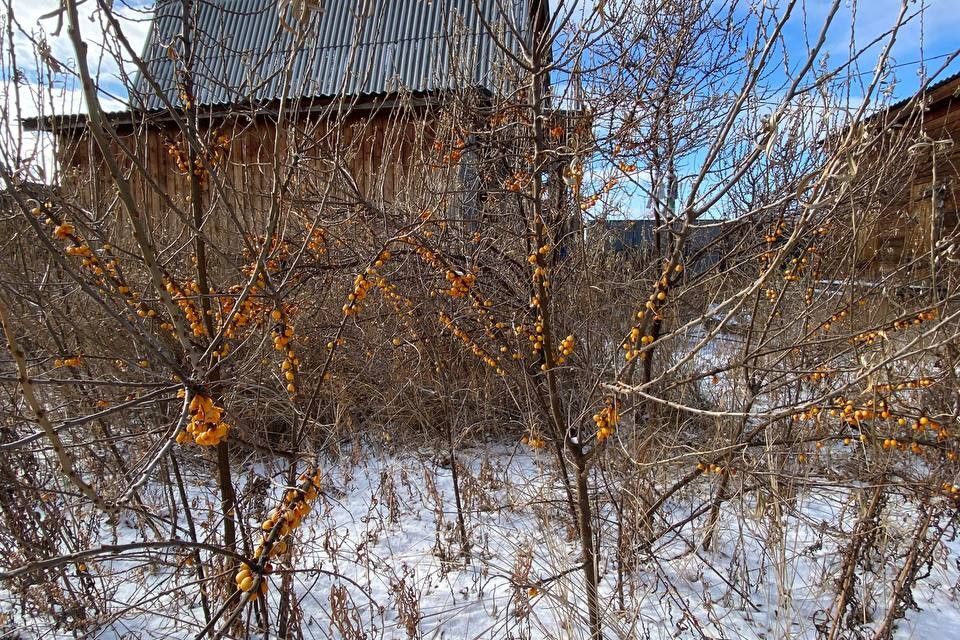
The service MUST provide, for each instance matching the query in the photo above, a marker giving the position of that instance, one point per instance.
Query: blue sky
(930, 36)
(920, 49)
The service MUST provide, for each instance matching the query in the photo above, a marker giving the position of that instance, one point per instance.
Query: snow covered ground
(380, 557)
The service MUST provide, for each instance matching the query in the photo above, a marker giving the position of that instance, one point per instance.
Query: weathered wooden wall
(363, 159)
(899, 223)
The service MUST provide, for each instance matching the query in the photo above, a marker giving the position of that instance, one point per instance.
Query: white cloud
(44, 82)
(105, 56)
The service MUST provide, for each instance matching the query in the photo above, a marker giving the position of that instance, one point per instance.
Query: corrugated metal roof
(926, 90)
(348, 48)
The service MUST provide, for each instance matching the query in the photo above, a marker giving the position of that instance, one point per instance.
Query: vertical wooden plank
(152, 169)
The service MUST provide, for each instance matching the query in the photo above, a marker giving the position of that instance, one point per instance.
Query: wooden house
(906, 206)
(346, 92)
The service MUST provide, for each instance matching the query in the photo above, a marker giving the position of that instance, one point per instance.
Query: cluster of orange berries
(247, 583)
(460, 284)
(317, 240)
(289, 370)
(659, 296)
(536, 338)
(214, 153)
(606, 419)
(892, 444)
(535, 302)
(539, 270)
(293, 509)
(79, 248)
(63, 231)
(919, 383)
(637, 339)
(535, 257)
(795, 270)
(278, 255)
(951, 489)
(287, 517)
(83, 251)
(72, 361)
(923, 423)
(363, 283)
(837, 317)
(820, 373)
(923, 316)
(144, 311)
(590, 201)
(872, 410)
(540, 275)
(182, 295)
(878, 410)
(283, 333)
(566, 348)
(492, 328)
(426, 255)
(850, 414)
(249, 309)
(354, 304)
(517, 182)
(381, 260)
(770, 238)
(806, 414)
(295, 506)
(401, 304)
(709, 467)
(110, 267)
(630, 345)
(456, 149)
(533, 441)
(776, 233)
(870, 337)
(460, 287)
(206, 424)
(476, 349)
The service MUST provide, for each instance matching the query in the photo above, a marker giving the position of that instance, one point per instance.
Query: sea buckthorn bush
(191, 351)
